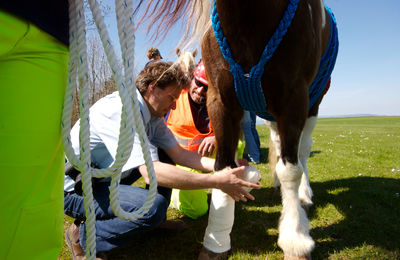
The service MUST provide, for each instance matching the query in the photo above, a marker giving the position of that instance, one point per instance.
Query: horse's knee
(289, 172)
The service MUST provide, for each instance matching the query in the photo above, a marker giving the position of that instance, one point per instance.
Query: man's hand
(231, 184)
(207, 146)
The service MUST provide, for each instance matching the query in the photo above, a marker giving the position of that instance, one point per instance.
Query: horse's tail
(165, 13)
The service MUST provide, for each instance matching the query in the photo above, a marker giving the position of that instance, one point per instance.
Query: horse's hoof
(206, 254)
(291, 257)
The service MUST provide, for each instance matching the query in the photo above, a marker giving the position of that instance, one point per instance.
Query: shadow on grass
(265, 151)
(187, 244)
(369, 208)
(264, 155)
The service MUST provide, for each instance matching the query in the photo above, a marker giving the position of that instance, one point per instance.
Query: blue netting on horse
(248, 86)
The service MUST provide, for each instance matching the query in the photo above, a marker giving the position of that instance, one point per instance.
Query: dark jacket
(49, 15)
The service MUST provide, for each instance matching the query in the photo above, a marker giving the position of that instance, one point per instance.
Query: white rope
(124, 78)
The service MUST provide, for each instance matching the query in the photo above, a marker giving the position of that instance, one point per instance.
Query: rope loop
(131, 119)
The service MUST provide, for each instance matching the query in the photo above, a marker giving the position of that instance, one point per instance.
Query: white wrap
(220, 220)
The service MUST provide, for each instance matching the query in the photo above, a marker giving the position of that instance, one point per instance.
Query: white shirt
(105, 118)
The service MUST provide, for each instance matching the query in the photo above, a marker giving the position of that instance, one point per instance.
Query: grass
(355, 177)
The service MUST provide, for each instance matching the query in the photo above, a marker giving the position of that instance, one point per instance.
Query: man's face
(198, 92)
(160, 101)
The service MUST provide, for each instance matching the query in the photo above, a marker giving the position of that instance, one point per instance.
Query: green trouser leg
(194, 203)
(33, 75)
(191, 203)
(240, 148)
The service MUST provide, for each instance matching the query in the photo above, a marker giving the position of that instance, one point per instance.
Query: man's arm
(190, 159)
(227, 180)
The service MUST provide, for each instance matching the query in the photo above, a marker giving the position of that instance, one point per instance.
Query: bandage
(221, 216)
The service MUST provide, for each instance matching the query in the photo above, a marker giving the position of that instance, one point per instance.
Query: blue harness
(248, 86)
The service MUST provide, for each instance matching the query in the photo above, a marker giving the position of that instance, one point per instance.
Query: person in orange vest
(191, 126)
(190, 122)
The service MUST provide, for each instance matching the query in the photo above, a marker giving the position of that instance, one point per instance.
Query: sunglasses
(199, 84)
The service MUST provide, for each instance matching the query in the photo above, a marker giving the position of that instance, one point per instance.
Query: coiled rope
(131, 119)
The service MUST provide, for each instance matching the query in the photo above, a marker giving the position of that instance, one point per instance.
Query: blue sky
(365, 79)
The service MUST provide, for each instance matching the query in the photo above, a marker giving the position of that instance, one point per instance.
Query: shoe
(254, 160)
(172, 225)
(72, 240)
(250, 159)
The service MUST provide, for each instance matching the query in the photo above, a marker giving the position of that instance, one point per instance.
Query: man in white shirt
(159, 85)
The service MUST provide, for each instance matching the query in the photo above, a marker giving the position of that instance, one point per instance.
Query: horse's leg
(225, 115)
(217, 242)
(274, 151)
(220, 220)
(294, 238)
(226, 125)
(305, 191)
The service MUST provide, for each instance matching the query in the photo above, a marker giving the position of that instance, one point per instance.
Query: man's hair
(163, 74)
(152, 53)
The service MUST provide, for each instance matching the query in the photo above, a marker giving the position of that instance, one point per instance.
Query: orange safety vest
(180, 122)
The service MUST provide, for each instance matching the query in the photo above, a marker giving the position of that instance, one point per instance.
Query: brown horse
(286, 81)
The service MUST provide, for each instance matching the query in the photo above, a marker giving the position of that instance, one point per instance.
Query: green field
(355, 176)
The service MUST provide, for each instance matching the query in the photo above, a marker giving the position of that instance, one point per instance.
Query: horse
(280, 89)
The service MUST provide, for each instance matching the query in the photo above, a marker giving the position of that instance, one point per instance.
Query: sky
(365, 79)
